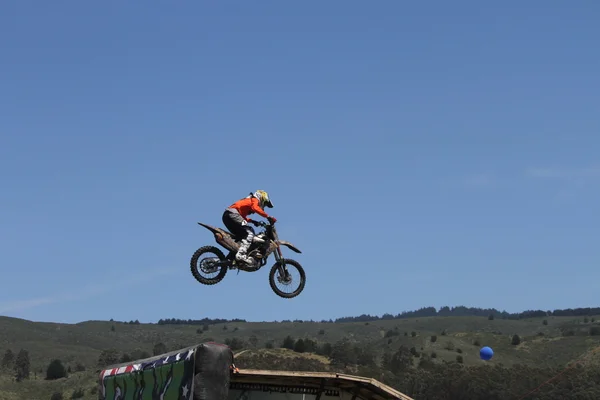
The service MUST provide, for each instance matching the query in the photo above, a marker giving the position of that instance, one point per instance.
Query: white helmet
(263, 198)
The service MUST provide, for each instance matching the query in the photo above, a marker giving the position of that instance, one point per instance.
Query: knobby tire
(194, 265)
(274, 271)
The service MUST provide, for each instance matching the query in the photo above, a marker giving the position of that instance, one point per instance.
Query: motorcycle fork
(279, 257)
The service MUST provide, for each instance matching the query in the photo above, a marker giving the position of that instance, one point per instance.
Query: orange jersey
(248, 206)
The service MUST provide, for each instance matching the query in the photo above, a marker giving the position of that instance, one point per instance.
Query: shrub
(159, 348)
(235, 344)
(56, 370)
(414, 352)
(299, 346)
(288, 342)
(391, 333)
(125, 358)
(78, 394)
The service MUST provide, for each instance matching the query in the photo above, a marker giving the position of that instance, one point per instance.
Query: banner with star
(166, 377)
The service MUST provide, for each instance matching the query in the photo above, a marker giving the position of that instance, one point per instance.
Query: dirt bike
(258, 251)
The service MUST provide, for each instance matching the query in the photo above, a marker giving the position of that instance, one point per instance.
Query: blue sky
(419, 154)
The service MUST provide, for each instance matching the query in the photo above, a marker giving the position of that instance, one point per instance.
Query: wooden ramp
(323, 385)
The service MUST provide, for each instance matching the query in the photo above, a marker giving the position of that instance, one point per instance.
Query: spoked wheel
(293, 276)
(203, 266)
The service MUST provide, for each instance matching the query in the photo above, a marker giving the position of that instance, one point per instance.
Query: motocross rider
(236, 220)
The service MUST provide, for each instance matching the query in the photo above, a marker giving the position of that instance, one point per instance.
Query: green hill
(359, 347)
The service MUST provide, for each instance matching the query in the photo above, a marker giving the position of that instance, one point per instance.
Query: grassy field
(541, 344)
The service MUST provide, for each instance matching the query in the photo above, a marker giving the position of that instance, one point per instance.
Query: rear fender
(222, 237)
(211, 228)
(291, 246)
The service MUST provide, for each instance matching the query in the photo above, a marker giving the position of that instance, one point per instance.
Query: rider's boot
(241, 254)
(258, 239)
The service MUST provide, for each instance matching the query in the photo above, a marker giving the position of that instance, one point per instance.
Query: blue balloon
(486, 353)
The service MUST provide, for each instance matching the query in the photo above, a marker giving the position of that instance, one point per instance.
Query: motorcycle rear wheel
(195, 268)
(274, 274)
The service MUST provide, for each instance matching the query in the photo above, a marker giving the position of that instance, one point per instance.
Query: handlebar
(263, 224)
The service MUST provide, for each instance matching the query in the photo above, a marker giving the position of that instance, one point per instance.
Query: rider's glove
(272, 219)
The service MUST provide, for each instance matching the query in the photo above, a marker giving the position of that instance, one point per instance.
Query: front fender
(291, 246)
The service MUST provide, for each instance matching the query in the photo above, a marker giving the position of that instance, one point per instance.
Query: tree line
(461, 311)
(446, 311)
(203, 321)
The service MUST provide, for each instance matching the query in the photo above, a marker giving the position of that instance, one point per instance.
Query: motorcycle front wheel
(287, 279)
